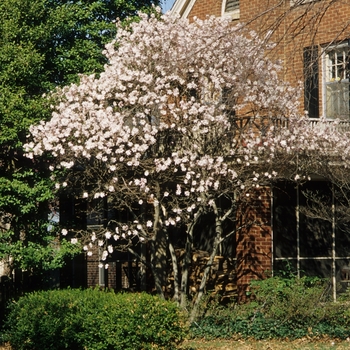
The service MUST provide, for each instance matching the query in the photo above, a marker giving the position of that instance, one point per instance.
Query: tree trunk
(159, 252)
(185, 267)
(217, 241)
(143, 268)
(175, 271)
(187, 259)
(156, 268)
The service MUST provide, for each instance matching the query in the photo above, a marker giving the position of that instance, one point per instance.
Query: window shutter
(311, 86)
(231, 5)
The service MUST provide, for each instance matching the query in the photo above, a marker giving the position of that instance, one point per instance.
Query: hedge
(92, 320)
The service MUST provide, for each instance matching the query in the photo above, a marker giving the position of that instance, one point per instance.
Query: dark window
(311, 86)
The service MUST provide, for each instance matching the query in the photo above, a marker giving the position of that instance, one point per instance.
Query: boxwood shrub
(93, 320)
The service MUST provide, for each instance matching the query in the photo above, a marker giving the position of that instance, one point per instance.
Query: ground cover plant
(92, 319)
(280, 308)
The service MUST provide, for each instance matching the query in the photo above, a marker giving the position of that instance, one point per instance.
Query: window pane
(337, 99)
(319, 268)
(342, 222)
(330, 76)
(315, 233)
(284, 220)
(232, 5)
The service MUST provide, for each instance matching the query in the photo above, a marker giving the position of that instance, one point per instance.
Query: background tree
(43, 44)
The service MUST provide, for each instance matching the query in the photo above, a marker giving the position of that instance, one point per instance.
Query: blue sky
(166, 5)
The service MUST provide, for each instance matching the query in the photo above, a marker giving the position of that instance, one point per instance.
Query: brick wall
(203, 8)
(254, 240)
(120, 274)
(314, 23)
(92, 272)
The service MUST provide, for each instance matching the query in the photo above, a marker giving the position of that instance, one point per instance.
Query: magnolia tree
(185, 117)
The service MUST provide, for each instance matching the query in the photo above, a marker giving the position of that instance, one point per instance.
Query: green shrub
(280, 307)
(94, 320)
(290, 299)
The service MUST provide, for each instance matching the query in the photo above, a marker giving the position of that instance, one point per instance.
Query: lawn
(302, 344)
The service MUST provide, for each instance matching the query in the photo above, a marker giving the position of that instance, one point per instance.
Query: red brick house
(312, 40)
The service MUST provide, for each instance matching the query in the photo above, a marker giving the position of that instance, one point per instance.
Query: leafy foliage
(281, 307)
(28, 240)
(93, 319)
(44, 44)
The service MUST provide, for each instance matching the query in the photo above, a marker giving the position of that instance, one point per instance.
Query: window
(312, 244)
(230, 8)
(311, 87)
(336, 68)
(335, 81)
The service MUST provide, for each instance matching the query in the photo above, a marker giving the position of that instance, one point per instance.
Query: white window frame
(235, 14)
(330, 77)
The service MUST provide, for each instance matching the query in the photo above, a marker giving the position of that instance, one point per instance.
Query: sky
(166, 5)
